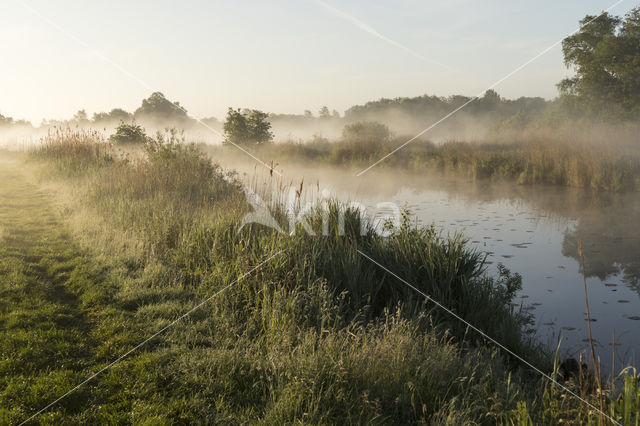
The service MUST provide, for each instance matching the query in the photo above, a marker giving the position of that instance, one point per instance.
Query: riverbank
(609, 166)
(533, 230)
(316, 334)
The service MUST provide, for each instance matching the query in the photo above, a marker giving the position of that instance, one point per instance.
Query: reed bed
(608, 165)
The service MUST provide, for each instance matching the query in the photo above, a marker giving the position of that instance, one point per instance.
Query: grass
(535, 158)
(317, 335)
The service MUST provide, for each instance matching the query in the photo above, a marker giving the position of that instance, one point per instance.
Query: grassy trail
(46, 342)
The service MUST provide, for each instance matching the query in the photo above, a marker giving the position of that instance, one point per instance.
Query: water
(533, 231)
(541, 245)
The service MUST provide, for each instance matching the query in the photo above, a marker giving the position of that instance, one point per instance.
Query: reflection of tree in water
(610, 239)
(609, 224)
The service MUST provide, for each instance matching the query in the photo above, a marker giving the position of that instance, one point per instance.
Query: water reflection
(611, 238)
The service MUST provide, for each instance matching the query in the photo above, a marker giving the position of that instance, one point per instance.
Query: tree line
(604, 53)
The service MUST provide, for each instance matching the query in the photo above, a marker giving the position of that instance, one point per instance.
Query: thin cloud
(372, 31)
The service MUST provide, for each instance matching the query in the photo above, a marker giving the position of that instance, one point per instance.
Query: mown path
(46, 343)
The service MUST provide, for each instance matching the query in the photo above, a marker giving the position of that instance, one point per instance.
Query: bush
(360, 140)
(366, 131)
(129, 133)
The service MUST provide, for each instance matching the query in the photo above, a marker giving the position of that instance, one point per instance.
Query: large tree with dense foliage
(247, 127)
(605, 54)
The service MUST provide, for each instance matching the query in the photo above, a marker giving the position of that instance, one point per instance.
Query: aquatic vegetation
(527, 159)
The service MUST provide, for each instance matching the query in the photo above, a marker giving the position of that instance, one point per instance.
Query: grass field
(99, 252)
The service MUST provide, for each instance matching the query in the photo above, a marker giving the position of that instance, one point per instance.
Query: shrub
(129, 133)
(366, 131)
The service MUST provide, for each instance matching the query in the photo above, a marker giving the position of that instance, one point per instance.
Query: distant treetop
(116, 115)
(158, 107)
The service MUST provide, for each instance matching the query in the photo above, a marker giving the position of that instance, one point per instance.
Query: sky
(283, 56)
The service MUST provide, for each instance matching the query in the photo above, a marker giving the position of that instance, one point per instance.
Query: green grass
(317, 335)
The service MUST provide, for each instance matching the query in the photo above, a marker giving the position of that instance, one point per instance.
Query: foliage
(4, 121)
(425, 108)
(81, 117)
(247, 127)
(115, 115)
(605, 53)
(182, 170)
(157, 107)
(366, 131)
(358, 138)
(324, 113)
(9, 121)
(129, 133)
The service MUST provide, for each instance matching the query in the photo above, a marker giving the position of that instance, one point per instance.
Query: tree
(81, 117)
(605, 54)
(490, 101)
(115, 115)
(235, 127)
(5, 121)
(158, 107)
(259, 127)
(324, 113)
(245, 127)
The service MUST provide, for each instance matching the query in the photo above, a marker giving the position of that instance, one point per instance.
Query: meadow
(101, 249)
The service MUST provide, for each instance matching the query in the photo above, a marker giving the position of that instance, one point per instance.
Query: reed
(596, 364)
(528, 159)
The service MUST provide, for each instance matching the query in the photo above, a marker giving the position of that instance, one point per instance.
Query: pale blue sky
(279, 56)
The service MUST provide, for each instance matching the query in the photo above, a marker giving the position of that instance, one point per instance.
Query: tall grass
(318, 335)
(74, 151)
(530, 159)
